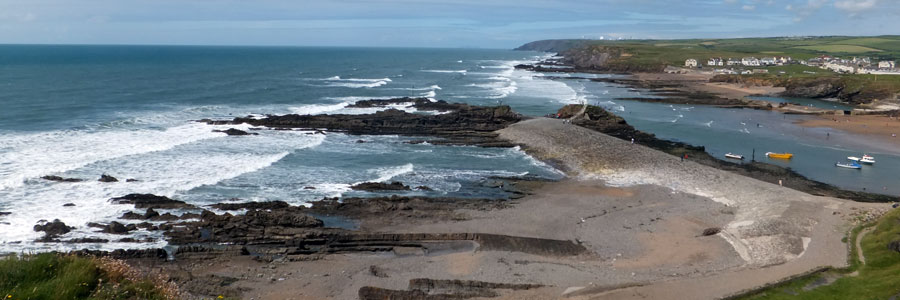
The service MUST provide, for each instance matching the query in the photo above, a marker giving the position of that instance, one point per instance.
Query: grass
(878, 278)
(839, 48)
(54, 276)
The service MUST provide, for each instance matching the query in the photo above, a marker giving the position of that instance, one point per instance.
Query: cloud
(748, 7)
(807, 9)
(855, 7)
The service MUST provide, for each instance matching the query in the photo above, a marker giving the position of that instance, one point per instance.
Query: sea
(82, 111)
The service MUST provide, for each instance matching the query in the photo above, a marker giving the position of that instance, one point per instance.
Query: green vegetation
(839, 48)
(878, 278)
(53, 276)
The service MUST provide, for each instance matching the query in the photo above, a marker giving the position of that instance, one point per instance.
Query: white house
(886, 64)
(768, 61)
(732, 61)
(690, 63)
(750, 61)
(840, 67)
(715, 61)
(783, 59)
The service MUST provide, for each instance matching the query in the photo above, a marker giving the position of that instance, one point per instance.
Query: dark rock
(423, 188)
(158, 253)
(256, 225)
(131, 180)
(150, 213)
(86, 241)
(95, 225)
(53, 229)
(150, 201)
(894, 246)
(68, 204)
(232, 131)
(309, 188)
(463, 124)
(251, 205)
(107, 178)
(132, 216)
(119, 228)
(380, 186)
(360, 141)
(711, 231)
(61, 179)
(4, 213)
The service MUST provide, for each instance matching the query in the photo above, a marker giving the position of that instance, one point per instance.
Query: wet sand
(882, 132)
(694, 82)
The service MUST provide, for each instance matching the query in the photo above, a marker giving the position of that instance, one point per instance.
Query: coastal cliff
(553, 45)
(849, 91)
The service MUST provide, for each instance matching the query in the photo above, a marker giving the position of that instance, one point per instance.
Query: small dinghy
(734, 156)
(779, 155)
(850, 165)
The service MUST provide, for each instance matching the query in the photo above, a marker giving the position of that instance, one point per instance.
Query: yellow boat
(779, 155)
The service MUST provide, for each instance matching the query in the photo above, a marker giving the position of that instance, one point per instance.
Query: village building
(732, 61)
(690, 63)
(715, 61)
(767, 61)
(760, 71)
(783, 60)
(750, 61)
(886, 64)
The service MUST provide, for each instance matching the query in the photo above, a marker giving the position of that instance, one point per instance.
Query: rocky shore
(452, 123)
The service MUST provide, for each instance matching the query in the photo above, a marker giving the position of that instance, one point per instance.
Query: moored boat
(850, 165)
(734, 156)
(866, 159)
(779, 155)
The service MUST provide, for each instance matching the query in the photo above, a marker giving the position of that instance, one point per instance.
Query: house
(690, 63)
(760, 71)
(886, 64)
(783, 60)
(732, 61)
(746, 72)
(725, 71)
(750, 61)
(715, 61)
(840, 67)
(767, 61)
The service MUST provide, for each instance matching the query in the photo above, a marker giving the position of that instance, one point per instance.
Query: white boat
(851, 165)
(866, 159)
(734, 156)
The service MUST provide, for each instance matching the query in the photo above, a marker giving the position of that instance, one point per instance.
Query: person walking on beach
(632, 141)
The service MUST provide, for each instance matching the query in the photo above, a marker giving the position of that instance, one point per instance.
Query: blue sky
(428, 23)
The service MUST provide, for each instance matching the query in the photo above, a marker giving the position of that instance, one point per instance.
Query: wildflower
(221, 297)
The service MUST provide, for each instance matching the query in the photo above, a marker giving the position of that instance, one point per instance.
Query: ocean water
(83, 111)
(127, 111)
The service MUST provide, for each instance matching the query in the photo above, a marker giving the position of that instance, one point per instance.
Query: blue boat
(850, 165)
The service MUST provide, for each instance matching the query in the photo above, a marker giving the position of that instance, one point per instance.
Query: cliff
(553, 45)
(846, 89)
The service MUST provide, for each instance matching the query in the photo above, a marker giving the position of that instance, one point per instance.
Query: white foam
(166, 173)
(315, 109)
(446, 71)
(26, 156)
(337, 81)
(385, 174)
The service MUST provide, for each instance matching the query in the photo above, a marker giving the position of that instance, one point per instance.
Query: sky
(428, 23)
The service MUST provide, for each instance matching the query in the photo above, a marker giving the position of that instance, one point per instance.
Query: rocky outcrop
(380, 186)
(251, 205)
(151, 201)
(61, 179)
(441, 289)
(894, 246)
(107, 178)
(461, 124)
(52, 230)
(119, 228)
(232, 131)
(255, 226)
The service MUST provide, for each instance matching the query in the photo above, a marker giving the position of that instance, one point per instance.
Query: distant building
(750, 61)
(767, 61)
(886, 64)
(746, 72)
(760, 71)
(725, 71)
(732, 61)
(691, 63)
(715, 61)
(840, 67)
(783, 60)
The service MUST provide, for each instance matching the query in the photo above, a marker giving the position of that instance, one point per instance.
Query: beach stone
(61, 179)
(711, 231)
(107, 178)
(119, 228)
(377, 271)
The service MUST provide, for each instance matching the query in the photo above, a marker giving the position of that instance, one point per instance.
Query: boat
(779, 155)
(850, 165)
(866, 159)
(734, 156)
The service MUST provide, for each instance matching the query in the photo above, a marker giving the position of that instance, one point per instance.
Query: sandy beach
(696, 81)
(878, 132)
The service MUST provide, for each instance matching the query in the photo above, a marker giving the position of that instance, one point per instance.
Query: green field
(877, 278)
(839, 48)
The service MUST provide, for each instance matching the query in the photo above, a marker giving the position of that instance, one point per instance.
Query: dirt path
(859, 250)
